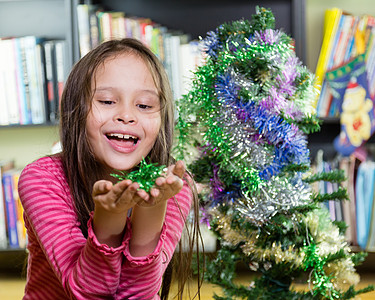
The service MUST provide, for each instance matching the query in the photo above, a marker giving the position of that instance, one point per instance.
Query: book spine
(83, 28)
(21, 229)
(10, 210)
(42, 81)
(4, 118)
(36, 100)
(105, 25)
(331, 23)
(190, 59)
(52, 95)
(94, 27)
(60, 68)
(3, 226)
(10, 84)
(25, 81)
(23, 113)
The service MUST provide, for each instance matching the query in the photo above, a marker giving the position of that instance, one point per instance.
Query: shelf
(12, 250)
(29, 125)
(330, 120)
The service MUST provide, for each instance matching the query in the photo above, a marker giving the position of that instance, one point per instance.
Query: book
(94, 26)
(4, 117)
(325, 97)
(26, 105)
(364, 199)
(173, 60)
(10, 208)
(353, 38)
(105, 20)
(344, 164)
(35, 76)
(146, 26)
(345, 35)
(156, 43)
(370, 246)
(5, 165)
(42, 81)
(61, 70)
(191, 57)
(10, 80)
(118, 26)
(83, 20)
(8, 85)
(51, 81)
(21, 229)
(357, 114)
(331, 21)
(22, 84)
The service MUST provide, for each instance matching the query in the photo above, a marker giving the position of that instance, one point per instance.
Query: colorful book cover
(11, 209)
(35, 77)
(21, 229)
(331, 23)
(5, 165)
(349, 87)
(61, 71)
(83, 28)
(364, 196)
(51, 80)
(9, 67)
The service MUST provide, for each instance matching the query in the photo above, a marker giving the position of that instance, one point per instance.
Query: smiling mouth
(131, 139)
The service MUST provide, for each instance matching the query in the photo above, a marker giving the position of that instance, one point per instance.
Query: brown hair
(81, 167)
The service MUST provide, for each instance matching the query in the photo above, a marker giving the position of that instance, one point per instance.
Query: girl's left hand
(165, 187)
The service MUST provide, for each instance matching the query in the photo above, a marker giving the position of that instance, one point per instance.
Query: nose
(126, 115)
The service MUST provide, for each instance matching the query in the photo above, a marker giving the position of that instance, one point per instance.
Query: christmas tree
(248, 114)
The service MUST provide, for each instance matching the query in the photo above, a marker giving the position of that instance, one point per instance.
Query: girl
(90, 237)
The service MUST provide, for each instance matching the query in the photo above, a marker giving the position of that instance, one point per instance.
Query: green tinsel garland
(145, 175)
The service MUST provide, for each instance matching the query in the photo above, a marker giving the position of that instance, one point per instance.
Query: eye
(144, 106)
(106, 102)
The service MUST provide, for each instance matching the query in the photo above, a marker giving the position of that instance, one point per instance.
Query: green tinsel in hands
(145, 175)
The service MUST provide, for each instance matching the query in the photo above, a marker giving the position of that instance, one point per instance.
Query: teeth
(123, 136)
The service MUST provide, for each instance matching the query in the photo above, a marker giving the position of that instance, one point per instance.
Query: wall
(25, 144)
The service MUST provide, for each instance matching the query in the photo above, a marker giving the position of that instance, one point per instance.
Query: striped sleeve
(141, 277)
(84, 268)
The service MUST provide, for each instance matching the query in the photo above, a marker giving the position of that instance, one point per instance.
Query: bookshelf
(198, 17)
(51, 19)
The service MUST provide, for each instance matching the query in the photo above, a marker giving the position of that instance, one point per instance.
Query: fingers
(101, 187)
(143, 195)
(166, 187)
(179, 169)
(122, 186)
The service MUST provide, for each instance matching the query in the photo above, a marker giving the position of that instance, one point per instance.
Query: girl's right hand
(117, 198)
(112, 203)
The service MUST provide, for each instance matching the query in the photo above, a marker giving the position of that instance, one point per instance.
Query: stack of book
(345, 38)
(12, 227)
(32, 75)
(177, 52)
(358, 212)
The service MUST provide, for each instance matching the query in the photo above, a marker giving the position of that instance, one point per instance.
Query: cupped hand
(117, 198)
(165, 186)
(112, 203)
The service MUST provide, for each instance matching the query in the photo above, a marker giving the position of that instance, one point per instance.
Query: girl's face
(125, 120)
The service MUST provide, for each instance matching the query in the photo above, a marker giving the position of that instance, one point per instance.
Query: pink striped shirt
(63, 264)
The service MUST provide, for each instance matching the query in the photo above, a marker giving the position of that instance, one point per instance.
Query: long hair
(81, 167)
